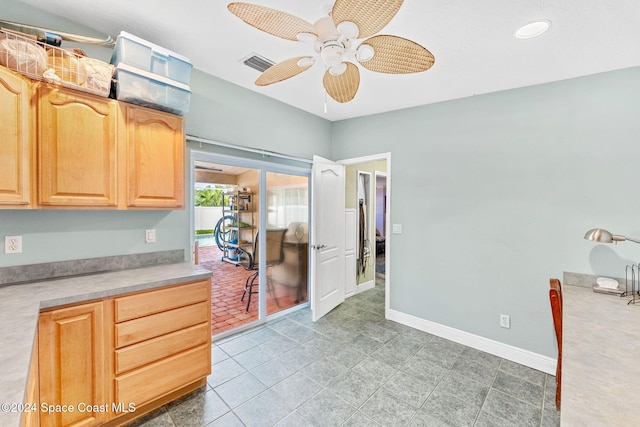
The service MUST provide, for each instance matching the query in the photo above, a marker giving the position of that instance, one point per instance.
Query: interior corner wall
(227, 113)
(219, 111)
(495, 192)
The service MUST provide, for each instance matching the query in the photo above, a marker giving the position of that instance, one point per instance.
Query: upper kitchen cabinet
(77, 140)
(153, 144)
(16, 139)
(92, 152)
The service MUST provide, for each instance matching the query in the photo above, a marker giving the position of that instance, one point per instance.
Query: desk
(296, 267)
(601, 360)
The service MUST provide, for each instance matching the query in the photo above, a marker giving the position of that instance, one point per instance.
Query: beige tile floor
(354, 368)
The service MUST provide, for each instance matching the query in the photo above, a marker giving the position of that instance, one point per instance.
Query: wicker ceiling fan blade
(342, 88)
(370, 16)
(284, 70)
(396, 55)
(272, 21)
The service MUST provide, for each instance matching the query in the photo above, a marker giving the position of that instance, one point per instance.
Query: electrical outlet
(12, 244)
(150, 236)
(505, 321)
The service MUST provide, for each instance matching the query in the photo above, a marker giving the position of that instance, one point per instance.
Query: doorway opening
(366, 198)
(380, 214)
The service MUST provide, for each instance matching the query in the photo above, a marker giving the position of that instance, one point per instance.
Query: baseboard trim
(524, 357)
(365, 286)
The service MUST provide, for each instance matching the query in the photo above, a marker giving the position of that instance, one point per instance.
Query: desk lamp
(603, 236)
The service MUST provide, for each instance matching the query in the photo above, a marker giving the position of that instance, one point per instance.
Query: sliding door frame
(262, 167)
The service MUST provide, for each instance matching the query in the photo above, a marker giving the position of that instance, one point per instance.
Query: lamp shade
(603, 236)
(599, 235)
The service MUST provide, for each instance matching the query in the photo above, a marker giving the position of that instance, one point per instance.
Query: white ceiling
(472, 42)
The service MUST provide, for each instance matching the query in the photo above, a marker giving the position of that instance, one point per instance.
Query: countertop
(21, 304)
(600, 359)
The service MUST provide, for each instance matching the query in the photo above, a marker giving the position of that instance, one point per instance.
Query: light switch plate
(150, 236)
(397, 229)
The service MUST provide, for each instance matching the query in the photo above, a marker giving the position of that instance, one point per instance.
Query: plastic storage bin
(139, 53)
(150, 90)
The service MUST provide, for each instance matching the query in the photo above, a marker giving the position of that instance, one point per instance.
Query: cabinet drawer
(143, 304)
(160, 378)
(149, 351)
(156, 325)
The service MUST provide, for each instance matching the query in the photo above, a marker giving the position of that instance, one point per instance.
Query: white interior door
(327, 253)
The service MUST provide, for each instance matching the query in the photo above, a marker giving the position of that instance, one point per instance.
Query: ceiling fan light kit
(364, 53)
(306, 61)
(306, 37)
(349, 29)
(332, 38)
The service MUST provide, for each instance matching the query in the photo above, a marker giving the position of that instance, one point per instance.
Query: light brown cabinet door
(15, 140)
(31, 418)
(155, 145)
(77, 149)
(74, 366)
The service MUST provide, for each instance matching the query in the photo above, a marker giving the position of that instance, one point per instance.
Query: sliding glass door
(287, 241)
(251, 229)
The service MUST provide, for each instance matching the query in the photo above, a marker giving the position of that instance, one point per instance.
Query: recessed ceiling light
(533, 29)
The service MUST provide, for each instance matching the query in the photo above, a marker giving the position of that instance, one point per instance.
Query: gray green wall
(495, 193)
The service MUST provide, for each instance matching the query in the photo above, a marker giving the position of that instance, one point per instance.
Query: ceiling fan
(333, 41)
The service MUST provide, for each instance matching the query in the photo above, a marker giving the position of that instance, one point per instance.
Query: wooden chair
(555, 297)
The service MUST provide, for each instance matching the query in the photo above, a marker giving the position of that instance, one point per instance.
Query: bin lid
(152, 76)
(153, 46)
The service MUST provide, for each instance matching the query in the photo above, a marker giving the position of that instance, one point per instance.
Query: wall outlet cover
(505, 321)
(12, 244)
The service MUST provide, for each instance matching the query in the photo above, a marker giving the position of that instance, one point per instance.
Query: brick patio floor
(227, 284)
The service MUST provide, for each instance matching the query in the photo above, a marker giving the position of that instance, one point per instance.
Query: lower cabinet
(74, 365)
(110, 361)
(164, 344)
(31, 418)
